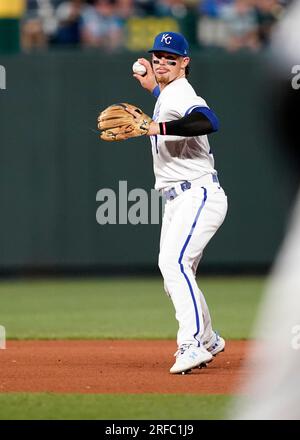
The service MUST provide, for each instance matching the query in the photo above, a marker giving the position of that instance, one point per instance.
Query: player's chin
(162, 77)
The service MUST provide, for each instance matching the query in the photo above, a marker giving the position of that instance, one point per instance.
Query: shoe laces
(215, 341)
(182, 349)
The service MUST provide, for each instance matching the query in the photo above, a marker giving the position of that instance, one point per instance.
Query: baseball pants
(189, 222)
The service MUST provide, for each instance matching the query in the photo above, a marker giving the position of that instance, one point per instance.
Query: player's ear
(185, 62)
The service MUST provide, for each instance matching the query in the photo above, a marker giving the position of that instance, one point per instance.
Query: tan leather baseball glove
(122, 121)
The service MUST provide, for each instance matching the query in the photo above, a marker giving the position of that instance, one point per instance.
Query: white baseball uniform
(197, 205)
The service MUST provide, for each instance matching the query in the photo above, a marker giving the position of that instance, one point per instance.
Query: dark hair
(188, 69)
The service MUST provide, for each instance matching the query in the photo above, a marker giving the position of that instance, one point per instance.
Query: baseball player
(185, 174)
(196, 204)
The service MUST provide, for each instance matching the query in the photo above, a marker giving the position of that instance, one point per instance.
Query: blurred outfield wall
(52, 163)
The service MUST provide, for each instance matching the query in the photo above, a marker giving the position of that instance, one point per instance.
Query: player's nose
(163, 60)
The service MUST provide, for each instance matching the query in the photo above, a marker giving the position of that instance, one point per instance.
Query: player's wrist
(153, 129)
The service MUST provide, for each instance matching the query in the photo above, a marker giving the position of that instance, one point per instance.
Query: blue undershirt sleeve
(156, 92)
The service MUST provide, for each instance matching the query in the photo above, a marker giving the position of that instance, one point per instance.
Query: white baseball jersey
(177, 158)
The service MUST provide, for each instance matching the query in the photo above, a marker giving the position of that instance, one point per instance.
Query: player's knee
(168, 265)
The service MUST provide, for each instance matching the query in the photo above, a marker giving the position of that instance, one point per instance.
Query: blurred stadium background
(64, 62)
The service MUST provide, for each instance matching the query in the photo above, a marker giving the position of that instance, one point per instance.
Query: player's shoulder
(187, 95)
(179, 98)
(185, 85)
(190, 91)
(178, 90)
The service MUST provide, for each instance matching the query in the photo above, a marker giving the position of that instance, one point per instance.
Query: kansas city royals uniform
(185, 166)
(196, 207)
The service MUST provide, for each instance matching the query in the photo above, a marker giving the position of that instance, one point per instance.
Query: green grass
(119, 308)
(19, 406)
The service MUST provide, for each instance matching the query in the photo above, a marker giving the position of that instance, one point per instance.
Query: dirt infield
(114, 367)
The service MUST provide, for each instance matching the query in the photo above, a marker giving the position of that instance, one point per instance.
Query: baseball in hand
(139, 68)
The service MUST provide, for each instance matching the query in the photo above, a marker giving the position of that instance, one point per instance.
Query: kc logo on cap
(170, 42)
(166, 38)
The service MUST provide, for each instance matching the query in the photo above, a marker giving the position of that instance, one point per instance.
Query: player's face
(168, 66)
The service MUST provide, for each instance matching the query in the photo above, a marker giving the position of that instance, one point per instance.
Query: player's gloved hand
(123, 121)
(148, 80)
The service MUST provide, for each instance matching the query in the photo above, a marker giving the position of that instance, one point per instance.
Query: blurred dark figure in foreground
(273, 390)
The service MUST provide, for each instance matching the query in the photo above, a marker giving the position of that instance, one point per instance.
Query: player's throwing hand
(148, 80)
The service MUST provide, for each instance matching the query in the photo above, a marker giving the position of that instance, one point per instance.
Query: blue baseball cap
(170, 42)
